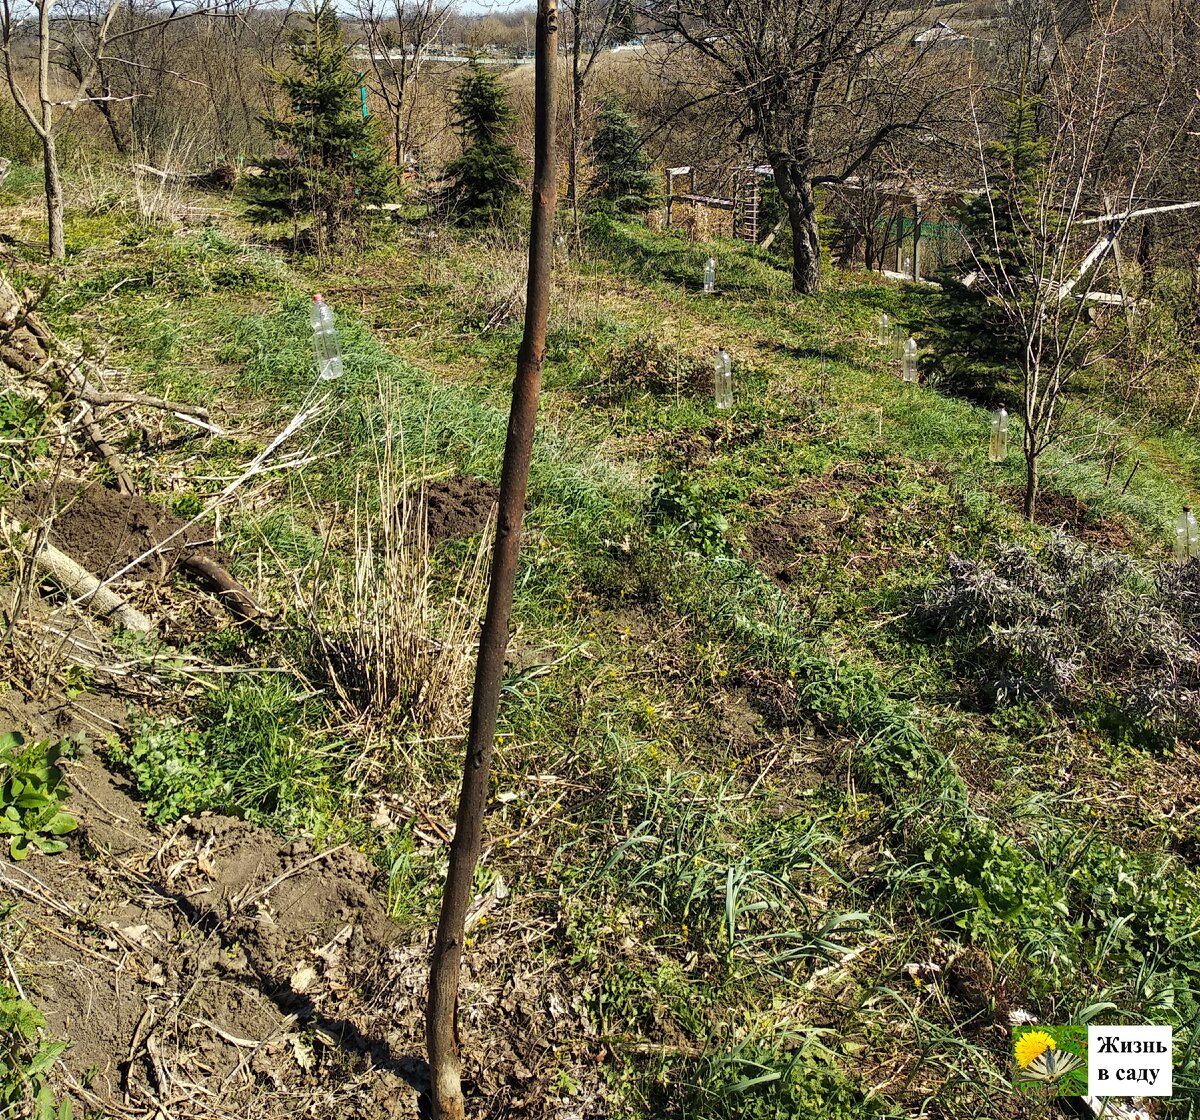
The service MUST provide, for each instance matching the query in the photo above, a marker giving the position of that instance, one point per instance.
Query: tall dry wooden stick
(445, 1066)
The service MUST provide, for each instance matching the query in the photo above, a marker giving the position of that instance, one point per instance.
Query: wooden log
(88, 591)
(205, 570)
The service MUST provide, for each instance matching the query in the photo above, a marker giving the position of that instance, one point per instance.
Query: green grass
(710, 784)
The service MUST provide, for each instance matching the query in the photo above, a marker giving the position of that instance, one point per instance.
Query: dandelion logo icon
(1050, 1060)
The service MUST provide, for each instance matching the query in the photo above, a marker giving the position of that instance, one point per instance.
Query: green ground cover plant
(713, 784)
(31, 796)
(26, 1058)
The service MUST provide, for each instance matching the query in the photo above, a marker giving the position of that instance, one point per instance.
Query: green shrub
(22, 426)
(31, 796)
(678, 506)
(648, 364)
(1081, 628)
(1138, 903)
(250, 754)
(172, 771)
(25, 1059)
(751, 1084)
(977, 878)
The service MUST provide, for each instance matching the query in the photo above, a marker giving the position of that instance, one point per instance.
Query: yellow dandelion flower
(1032, 1045)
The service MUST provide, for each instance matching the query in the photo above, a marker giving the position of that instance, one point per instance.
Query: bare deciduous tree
(1056, 202)
(45, 114)
(398, 37)
(590, 24)
(821, 86)
(195, 78)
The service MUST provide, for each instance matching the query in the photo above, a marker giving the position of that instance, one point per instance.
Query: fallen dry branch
(206, 571)
(222, 177)
(30, 352)
(82, 389)
(87, 589)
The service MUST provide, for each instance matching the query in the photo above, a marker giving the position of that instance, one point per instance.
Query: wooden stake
(445, 1065)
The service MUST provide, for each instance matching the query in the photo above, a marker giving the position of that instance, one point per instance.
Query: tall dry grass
(393, 641)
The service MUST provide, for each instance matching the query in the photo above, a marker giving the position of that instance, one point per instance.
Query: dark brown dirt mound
(458, 507)
(103, 530)
(812, 518)
(212, 970)
(1067, 512)
(216, 964)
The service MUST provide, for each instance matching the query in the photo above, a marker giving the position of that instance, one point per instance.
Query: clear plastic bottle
(885, 329)
(897, 342)
(326, 348)
(998, 440)
(722, 380)
(1187, 536)
(710, 275)
(909, 368)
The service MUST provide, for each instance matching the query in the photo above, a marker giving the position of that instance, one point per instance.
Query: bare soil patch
(208, 971)
(1066, 512)
(104, 530)
(458, 507)
(215, 970)
(813, 518)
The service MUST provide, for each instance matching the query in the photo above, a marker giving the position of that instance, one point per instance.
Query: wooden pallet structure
(744, 206)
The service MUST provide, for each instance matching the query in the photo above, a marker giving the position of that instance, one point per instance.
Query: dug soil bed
(457, 507)
(1063, 511)
(815, 518)
(214, 969)
(104, 530)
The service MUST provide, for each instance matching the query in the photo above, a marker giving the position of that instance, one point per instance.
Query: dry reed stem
(396, 657)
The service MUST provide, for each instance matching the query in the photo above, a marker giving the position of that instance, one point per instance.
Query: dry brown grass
(394, 652)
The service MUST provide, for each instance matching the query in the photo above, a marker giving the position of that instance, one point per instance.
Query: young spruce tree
(980, 355)
(330, 165)
(485, 180)
(623, 180)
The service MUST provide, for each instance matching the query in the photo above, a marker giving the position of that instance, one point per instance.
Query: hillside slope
(785, 822)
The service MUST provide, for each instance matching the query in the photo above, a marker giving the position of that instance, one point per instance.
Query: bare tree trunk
(1031, 469)
(1031, 481)
(445, 1065)
(582, 16)
(806, 241)
(120, 142)
(576, 127)
(54, 198)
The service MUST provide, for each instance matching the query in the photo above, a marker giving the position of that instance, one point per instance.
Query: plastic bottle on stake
(885, 329)
(909, 367)
(326, 348)
(722, 380)
(1187, 536)
(998, 440)
(710, 275)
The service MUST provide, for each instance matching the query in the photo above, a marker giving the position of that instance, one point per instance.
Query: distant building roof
(940, 32)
